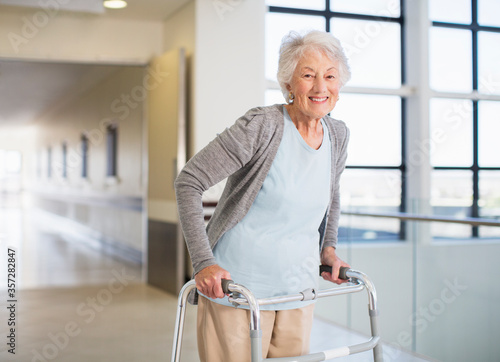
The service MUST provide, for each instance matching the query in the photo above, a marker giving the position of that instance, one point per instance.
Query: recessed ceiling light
(115, 4)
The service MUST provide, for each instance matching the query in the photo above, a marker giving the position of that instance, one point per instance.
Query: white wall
(228, 65)
(179, 29)
(63, 36)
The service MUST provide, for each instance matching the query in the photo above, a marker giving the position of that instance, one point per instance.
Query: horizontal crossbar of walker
(331, 353)
(356, 286)
(304, 296)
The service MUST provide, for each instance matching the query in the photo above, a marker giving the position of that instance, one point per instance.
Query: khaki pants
(224, 332)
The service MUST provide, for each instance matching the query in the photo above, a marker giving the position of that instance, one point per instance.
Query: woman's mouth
(318, 99)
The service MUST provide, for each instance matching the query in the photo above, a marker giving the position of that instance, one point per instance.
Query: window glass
(49, 162)
(450, 60)
(370, 191)
(489, 130)
(450, 140)
(85, 156)
(111, 150)
(451, 196)
(375, 125)
(10, 171)
(3, 163)
(489, 201)
(38, 164)
(389, 8)
(277, 26)
(10, 163)
(309, 4)
(354, 228)
(373, 49)
(64, 160)
(488, 12)
(489, 60)
(450, 11)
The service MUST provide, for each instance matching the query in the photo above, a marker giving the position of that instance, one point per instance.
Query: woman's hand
(208, 281)
(329, 257)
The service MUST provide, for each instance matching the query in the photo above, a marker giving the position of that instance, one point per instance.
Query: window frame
(475, 96)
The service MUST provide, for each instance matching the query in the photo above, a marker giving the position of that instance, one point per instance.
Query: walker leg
(179, 320)
(372, 309)
(378, 356)
(256, 345)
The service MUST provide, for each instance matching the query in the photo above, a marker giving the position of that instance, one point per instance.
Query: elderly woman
(277, 218)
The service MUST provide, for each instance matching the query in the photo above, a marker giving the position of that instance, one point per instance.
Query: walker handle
(225, 285)
(328, 269)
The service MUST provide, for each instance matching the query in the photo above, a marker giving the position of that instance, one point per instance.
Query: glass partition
(437, 296)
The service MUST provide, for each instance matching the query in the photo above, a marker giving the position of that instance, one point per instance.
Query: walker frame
(240, 295)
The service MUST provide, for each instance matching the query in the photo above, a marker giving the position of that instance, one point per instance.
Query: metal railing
(428, 218)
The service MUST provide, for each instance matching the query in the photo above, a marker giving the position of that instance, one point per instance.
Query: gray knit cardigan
(244, 153)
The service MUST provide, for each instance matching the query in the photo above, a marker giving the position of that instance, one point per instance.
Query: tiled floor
(77, 304)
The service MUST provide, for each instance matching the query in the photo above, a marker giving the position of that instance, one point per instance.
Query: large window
(10, 171)
(64, 160)
(372, 103)
(49, 162)
(85, 156)
(465, 79)
(463, 95)
(112, 151)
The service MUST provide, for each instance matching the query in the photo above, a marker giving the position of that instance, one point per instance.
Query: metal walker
(240, 295)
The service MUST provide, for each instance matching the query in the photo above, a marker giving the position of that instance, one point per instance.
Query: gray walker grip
(342, 272)
(225, 283)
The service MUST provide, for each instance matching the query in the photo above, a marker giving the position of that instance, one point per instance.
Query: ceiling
(28, 88)
(148, 10)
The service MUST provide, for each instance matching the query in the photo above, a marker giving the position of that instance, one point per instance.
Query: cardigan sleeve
(331, 233)
(226, 154)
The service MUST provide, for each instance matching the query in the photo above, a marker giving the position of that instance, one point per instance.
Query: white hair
(294, 45)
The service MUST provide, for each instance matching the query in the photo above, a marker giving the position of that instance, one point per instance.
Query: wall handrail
(428, 218)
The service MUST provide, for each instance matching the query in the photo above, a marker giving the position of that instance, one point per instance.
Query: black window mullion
(403, 44)
(476, 27)
(333, 14)
(328, 18)
(475, 120)
(403, 201)
(475, 166)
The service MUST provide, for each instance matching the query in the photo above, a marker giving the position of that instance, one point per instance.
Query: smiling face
(315, 86)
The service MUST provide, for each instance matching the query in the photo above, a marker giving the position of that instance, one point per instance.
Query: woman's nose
(319, 85)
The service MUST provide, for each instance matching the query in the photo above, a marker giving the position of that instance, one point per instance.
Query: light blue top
(274, 250)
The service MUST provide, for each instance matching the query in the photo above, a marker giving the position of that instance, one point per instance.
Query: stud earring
(291, 97)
